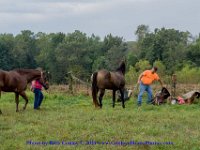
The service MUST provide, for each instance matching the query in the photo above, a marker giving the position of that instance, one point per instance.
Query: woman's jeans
(38, 98)
(144, 88)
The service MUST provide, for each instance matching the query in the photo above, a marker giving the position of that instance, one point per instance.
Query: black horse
(104, 79)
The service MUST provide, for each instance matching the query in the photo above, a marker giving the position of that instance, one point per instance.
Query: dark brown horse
(104, 79)
(16, 81)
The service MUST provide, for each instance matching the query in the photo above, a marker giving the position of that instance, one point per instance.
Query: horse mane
(24, 71)
(122, 68)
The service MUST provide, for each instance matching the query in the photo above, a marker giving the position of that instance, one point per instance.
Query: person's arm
(161, 83)
(45, 87)
(158, 79)
(31, 88)
(139, 78)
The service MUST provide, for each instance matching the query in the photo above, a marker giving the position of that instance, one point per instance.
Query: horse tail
(94, 89)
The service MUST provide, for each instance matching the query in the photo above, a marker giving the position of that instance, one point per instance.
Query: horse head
(44, 79)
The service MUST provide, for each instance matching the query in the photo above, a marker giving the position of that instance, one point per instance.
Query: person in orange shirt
(145, 80)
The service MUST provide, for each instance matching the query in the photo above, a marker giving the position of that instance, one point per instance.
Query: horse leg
(122, 96)
(94, 89)
(114, 98)
(101, 96)
(23, 94)
(17, 101)
(94, 94)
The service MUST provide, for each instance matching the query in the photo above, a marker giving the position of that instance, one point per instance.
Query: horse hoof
(97, 106)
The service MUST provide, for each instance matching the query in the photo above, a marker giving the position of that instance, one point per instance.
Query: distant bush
(131, 76)
(188, 74)
(142, 65)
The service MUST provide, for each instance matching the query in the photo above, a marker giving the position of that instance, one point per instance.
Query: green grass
(70, 118)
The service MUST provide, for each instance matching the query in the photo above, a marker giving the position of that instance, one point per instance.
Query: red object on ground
(180, 100)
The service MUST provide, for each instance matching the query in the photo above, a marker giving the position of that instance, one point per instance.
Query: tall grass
(70, 119)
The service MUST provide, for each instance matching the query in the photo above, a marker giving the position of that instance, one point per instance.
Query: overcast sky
(101, 17)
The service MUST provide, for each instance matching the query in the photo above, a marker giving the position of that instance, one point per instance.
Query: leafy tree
(47, 45)
(114, 51)
(188, 74)
(99, 63)
(73, 55)
(6, 47)
(173, 51)
(114, 56)
(161, 67)
(141, 32)
(25, 50)
(131, 76)
(164, 45)
(193, 53)
(132, 59)
(142, 65)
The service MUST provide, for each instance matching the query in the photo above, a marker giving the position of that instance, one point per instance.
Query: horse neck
(32, 77)
(122, 69)
(121, 72)
(30, 74)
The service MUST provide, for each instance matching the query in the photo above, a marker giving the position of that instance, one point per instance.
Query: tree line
(59, 53)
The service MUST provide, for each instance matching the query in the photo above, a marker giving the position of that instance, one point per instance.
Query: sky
(100, 17)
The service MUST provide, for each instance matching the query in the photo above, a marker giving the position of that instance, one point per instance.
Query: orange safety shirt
(148, 77)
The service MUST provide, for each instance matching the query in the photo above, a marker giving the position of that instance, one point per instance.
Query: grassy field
(71, 122)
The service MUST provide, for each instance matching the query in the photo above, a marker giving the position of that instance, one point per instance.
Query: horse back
(118, 79)
(11, 81)
(110, 80)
